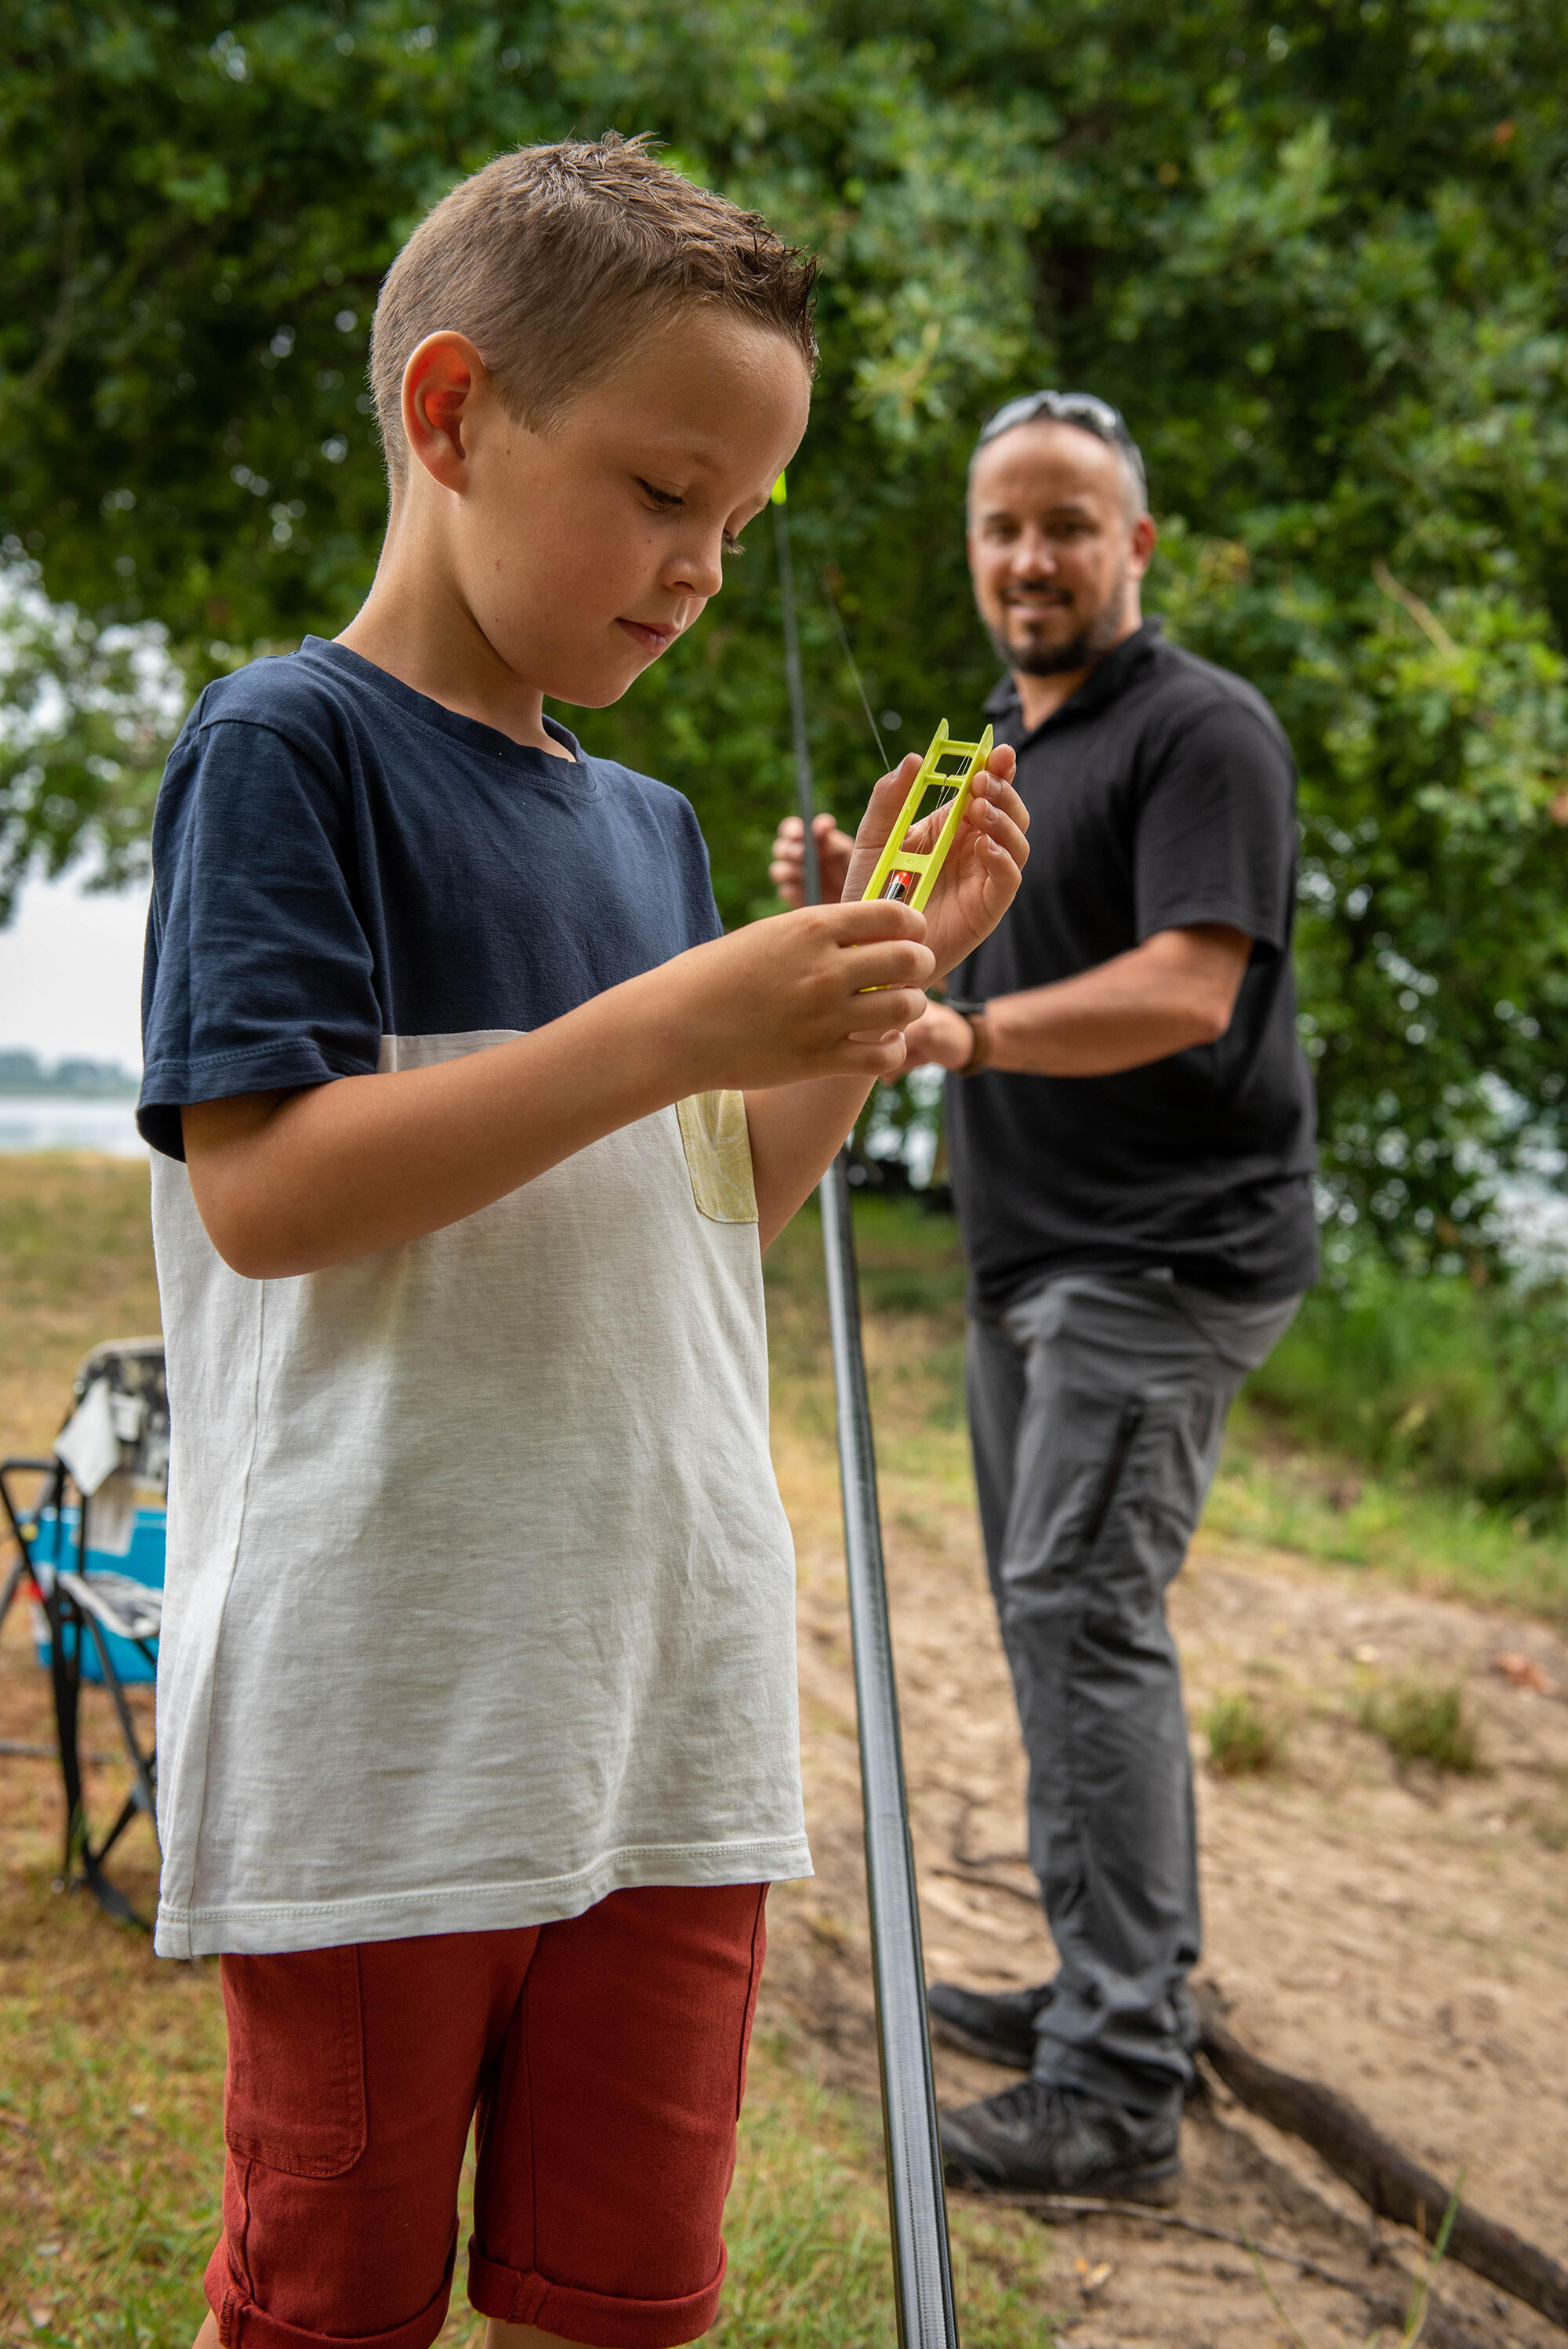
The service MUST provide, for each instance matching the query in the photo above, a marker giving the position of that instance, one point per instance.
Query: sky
(71, 974)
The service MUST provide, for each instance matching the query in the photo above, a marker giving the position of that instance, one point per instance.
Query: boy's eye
(671, 501)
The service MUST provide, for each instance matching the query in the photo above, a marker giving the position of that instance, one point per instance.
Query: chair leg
(143, 1796)
(65, 1673)
(13, 1582)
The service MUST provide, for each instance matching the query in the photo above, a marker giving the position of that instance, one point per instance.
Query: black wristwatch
(973, 1009)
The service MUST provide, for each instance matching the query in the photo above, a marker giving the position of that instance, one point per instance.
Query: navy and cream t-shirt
(340, 859)
(479, 1598)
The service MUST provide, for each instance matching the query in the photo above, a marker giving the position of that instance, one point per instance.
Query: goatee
(1081, 651)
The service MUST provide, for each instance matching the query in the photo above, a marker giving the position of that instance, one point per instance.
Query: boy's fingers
(864, 919)
(1001, 829)
(894, 1009)
(887, 962)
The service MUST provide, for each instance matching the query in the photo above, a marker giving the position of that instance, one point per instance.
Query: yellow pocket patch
(718, 1155)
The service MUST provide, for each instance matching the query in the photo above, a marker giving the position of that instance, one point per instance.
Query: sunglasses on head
(1084, 407)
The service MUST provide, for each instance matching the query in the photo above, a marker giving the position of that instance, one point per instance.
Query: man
(1130, 1122)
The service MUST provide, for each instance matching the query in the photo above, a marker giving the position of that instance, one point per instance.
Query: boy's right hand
(785, 999)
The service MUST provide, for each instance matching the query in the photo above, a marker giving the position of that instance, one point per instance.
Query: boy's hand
(786, 999)
(977, 882)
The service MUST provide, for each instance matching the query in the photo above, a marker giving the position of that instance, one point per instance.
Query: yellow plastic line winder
(908, 875)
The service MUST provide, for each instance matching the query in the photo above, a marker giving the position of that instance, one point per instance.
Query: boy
(476, 1696)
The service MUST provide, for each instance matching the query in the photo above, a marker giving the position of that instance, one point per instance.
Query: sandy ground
(1401, 1937)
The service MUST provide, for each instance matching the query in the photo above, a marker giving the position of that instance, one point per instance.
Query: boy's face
(580, 554)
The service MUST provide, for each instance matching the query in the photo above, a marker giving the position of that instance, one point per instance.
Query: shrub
(1243, 1742)
(1420, 1723)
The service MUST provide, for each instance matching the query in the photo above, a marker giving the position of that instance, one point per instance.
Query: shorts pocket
(295, 2097)
(717, 1145)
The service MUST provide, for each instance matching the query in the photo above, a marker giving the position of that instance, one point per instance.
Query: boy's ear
(444, 375)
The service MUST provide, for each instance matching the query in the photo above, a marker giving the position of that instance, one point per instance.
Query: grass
(1244, 1741)
(807, 2227)
(1271, 1489)
(1419, 1724)
(75, 1265)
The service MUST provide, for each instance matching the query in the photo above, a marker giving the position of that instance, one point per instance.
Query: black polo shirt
(1161, 794)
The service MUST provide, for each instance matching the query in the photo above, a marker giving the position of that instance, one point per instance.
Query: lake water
(55, 1121)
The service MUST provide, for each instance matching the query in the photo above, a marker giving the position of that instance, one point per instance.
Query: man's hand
(788, 870)
(977, 882)
(941, 1039)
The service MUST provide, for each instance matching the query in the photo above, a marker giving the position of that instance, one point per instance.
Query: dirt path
(1403, 1938)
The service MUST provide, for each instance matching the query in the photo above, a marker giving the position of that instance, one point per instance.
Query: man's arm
(1177, 989)
(294, 1183)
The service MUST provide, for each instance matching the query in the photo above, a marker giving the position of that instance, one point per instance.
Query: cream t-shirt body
(479, 1598)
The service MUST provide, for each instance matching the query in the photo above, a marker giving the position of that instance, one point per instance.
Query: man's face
(1054, 550)
(582, 552)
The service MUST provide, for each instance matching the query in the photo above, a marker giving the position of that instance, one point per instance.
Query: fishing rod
(923, 2273)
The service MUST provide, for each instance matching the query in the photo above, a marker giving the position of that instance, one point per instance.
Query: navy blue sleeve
(1216, 832)
(258, 976)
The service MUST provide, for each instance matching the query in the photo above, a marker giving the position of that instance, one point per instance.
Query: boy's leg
(606, 2140)
(352, 2076)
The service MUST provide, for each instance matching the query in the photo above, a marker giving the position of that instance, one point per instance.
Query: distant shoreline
(69, 1092)
(34, 1121)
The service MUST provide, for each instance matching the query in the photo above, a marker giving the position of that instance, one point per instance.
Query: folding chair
(91, 1539)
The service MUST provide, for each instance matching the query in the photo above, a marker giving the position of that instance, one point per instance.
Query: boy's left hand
(980, 878)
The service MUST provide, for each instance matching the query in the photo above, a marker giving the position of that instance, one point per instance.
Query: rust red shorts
(604, 2057)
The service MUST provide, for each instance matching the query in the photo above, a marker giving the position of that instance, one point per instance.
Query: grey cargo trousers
(1096, 1407)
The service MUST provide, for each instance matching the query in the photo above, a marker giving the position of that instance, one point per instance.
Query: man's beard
(1081, 651)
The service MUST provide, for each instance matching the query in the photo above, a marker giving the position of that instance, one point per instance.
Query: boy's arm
(294, 1183)
(796, 1133)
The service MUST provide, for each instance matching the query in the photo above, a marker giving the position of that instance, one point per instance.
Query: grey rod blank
(923, 2273)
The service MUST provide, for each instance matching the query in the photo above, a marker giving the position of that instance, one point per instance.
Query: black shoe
(999, 2025)
(1039, 2139)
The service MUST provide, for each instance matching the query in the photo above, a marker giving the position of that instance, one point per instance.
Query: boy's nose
(696, 571)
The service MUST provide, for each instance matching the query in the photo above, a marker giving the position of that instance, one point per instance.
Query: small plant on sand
(1243, 1741)
(1421, 1724)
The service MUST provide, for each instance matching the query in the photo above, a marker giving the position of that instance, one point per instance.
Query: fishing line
(854, 669)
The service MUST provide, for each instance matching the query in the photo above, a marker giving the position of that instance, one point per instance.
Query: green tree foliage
(1314, 248)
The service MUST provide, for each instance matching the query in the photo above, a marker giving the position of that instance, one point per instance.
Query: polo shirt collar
(1106, 681)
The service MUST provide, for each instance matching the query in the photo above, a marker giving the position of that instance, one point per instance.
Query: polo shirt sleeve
(258, 976)
(1216, 834)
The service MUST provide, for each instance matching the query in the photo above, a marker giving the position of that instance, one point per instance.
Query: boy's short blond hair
(553, 260)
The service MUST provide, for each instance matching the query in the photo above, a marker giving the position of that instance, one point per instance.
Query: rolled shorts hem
(602, 2320)
(243, 2325)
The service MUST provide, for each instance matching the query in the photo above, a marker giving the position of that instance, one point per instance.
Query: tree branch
(1388, 2180)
